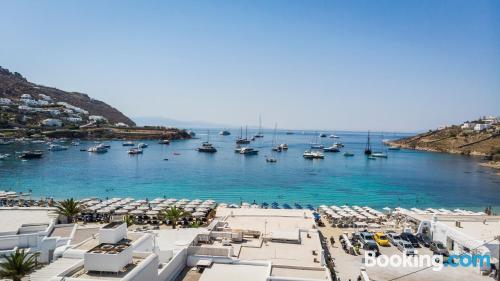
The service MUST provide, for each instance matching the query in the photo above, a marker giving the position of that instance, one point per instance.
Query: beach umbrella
(159, 209)
(198, 214)
(188, 209)
(233, 206)
(129, 207)
(171, 200)
(121, 212)
(152, 213)
(223, 205)
(200, 209)
(103, 211)
(141, 201)
(136, 212)
(163, 205)
(135, 204)
(143, 208)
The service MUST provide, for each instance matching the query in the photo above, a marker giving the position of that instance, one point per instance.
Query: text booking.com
(437, 262)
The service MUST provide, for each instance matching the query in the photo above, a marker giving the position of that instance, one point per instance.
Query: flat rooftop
(240, 272)
(287, 254)
(94, 241)
(266, 220)
(477, 229)
(12, 219)
(169, 239)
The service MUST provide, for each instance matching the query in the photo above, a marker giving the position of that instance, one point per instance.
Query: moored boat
(348, 154)
(100, 148)
(26, 155)
(128, 143)
(308, 154)
(164, 142)
(142, 145)
(224, 133)
(57, 147)
(248, 151)
(332, 148)
(207, 148)
(134, 151)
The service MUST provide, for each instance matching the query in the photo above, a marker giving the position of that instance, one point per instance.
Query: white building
(51, 122)
(33, 229)
(279, 245)
(468, 126)
(97, 118)
(490, 119)
(74, 119)
(29, 102)
(25, 96)
(26, 108)
(121, 125)
(45, 97)
(5, 101)
(72, 107)
(42, 102)
(473, 234)
(481, 127)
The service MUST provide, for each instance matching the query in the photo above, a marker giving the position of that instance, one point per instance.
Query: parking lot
(348, 267)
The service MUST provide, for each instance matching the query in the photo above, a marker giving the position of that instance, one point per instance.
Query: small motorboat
(224, 133)
(271, 160)
(379, 155)
(164, 142)
(277, 148)
(334, 137)
(394, 147)
(313, 155)
(348, 154)
(100, 148)
(322, 135)
(284, 146)
(142, 145)
(207, 148)
(134, 151)
(332, 148)
(248, 151)
(26, 155)
(128, 143)
(57, 147)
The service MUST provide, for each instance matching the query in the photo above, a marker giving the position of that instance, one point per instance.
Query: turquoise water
(406, 178)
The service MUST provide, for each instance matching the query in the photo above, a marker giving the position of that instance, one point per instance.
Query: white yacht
(308, 154)
(135, 151)
(100, 148)
(248, 151)
(57, 147)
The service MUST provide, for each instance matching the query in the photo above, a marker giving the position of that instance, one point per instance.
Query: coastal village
(189, 240)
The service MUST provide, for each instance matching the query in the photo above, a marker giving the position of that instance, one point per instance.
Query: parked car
(366, 237)
(424, 240)
(371, 246)
(406, 248)
(410, 238)
(438, 249)
(394, 238)
(381, 239)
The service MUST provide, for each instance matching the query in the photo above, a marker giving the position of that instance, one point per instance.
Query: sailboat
(316, 144)
(240, 139)
(368, 148)
(272, 159)
(259, 133)
(207, 147)
(277, 148)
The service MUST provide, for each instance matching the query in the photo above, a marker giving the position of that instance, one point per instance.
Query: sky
(342, 65)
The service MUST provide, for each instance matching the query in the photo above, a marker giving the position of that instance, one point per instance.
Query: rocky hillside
(464, 139)
(26, 103)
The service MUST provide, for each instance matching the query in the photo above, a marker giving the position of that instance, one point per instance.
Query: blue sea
(406, 178)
